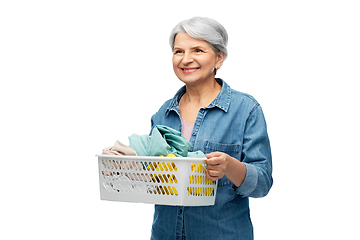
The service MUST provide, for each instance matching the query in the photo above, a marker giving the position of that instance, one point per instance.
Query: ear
(220, 59)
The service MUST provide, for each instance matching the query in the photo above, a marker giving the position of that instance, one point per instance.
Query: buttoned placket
(180, 223)
(196, 129)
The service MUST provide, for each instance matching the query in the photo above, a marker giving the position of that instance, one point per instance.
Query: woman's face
(194, 60)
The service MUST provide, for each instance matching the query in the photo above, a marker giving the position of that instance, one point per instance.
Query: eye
(178, 51)
(198, 50)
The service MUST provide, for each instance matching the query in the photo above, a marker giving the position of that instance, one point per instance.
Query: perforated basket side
(200, 190)
(158, 180)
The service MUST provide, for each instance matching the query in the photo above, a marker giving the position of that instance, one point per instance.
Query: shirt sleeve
(256, 155)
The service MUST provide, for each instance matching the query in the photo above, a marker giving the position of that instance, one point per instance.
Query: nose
(187, 59)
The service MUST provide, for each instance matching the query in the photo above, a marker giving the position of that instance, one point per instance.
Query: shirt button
(194, 134)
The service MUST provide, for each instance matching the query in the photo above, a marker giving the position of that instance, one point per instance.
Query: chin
(189, 80)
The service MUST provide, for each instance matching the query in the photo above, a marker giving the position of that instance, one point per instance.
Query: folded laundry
(163, 141)
(119, 149)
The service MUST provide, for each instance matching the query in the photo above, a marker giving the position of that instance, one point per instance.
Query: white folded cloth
(119, 149)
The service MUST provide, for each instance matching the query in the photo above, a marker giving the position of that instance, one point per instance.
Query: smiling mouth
(189, 70)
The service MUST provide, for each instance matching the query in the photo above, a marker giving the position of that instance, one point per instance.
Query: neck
(202, 94)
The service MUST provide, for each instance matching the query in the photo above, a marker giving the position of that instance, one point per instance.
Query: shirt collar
(222, 100)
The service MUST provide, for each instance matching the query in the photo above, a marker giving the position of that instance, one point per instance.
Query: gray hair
(205, 29)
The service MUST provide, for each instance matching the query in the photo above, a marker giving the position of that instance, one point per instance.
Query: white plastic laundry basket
(158, 180)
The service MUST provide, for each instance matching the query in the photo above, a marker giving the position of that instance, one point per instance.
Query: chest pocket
(233, 150)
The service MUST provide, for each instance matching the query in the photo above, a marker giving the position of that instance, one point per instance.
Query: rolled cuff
(250, 181)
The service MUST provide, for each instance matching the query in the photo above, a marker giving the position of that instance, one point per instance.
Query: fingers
(213, 154)
(214, 171)
(210, 177)
(215, 158)
(216, 165)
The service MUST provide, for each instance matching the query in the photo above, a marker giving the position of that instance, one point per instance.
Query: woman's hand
(217, 165)
(221, 164)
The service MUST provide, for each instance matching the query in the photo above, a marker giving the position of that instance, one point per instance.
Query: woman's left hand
(217, 165)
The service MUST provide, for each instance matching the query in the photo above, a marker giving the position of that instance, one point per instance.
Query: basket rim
(149, 158)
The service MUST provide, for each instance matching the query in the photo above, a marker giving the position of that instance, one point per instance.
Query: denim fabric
(234, 124)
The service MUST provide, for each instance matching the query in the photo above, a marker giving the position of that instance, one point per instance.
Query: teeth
(189, 69)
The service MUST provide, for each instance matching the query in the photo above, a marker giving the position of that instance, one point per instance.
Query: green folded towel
(163, 141)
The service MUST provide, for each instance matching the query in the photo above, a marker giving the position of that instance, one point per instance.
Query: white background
(78, 75)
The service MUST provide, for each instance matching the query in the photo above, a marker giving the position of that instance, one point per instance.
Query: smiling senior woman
(227, 125)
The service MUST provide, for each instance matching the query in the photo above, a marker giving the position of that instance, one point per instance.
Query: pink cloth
(187, 128)
(119, 149)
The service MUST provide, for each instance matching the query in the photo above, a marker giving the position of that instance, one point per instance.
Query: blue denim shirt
(234, 124)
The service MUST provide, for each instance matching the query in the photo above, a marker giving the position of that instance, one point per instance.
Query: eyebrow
(197, 46)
